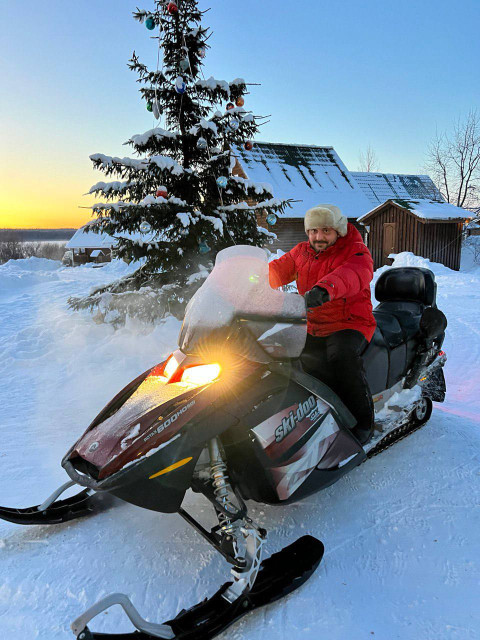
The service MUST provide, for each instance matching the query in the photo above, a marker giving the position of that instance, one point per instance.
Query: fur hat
(326, 215)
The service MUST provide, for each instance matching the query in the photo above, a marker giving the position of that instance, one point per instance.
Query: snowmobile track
(394, 436)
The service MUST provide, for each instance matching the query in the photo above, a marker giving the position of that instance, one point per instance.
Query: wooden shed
(427, 228)
(88, 246)
(307, 174)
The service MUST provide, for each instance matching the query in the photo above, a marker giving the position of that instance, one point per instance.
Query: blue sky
(346, 74)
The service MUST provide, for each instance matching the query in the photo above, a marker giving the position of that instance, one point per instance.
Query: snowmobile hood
(141, 419)
(153, 414)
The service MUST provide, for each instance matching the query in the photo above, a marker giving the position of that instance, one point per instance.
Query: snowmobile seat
(406, 313)
(403, 294)
(390, 327)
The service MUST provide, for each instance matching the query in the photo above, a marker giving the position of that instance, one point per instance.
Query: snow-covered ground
(400, 532)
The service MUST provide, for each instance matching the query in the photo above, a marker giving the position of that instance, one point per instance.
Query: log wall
(437, 241)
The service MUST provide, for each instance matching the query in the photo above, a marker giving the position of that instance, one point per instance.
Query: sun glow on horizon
(43, 203)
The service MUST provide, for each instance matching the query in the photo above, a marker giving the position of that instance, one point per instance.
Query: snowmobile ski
(279, 575)
(52, 511)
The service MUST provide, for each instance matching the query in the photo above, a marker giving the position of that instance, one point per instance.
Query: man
(333, 270)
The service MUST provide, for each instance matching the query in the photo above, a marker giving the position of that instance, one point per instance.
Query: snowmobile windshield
(237, 292)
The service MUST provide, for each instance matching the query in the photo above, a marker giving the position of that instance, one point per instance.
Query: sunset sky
(344, 74)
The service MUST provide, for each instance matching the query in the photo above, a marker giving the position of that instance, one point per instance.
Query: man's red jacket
(345, 270)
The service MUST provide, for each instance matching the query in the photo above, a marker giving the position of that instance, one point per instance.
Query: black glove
(316, 297)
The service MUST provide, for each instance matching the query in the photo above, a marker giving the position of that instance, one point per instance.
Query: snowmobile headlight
(170, 367)
(201, 374)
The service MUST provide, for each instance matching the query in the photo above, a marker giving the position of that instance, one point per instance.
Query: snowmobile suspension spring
(220, 480)
(221, 488)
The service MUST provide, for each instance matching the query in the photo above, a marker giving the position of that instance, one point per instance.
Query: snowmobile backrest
(407, 283)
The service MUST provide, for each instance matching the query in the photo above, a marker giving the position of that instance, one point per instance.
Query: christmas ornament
(202, 143)
(156, 110)
(150, 23)
(203, 248)
(239, 101)
(184, 64)
(222, 182)
(180, 85)
(230, 105)
(271, 218)
(161, 192)
(202, 52)
(233, 125)
(145, 227)
(149, 106)
(172, 8)
(248, 145)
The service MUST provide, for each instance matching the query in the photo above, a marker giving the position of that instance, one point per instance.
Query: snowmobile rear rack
(279, 575)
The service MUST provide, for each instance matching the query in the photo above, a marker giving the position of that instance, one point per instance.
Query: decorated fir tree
(175, 204)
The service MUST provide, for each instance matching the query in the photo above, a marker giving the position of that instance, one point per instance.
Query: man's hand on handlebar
(316, 297)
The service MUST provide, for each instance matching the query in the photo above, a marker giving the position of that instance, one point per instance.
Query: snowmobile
(232, 415)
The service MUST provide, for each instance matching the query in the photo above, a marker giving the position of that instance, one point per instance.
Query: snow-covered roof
(307, 173)
(424, 209)
(379, 187)
(96, 253)
(86, 238)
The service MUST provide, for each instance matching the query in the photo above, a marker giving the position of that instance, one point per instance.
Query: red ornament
(230, 105)
(161, 193)
(240, 101)
(248, 145)
(172, 8)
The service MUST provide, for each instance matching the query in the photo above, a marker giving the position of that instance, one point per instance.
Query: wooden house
(311, 175)
(427, 228)
(307, 174)
(87, 246)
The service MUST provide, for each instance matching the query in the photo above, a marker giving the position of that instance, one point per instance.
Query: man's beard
(320, 245)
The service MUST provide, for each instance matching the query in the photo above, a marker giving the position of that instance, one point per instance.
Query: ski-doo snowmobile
(231, 414)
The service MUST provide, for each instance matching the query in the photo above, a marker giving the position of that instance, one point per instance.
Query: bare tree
(10, 246)
(49, 250)
(453, 160)
(367, 161)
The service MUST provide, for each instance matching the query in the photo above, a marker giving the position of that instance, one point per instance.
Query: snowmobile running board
(51, 511)
(279, 575)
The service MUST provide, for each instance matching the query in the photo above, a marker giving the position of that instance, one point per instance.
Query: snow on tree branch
(158, 133)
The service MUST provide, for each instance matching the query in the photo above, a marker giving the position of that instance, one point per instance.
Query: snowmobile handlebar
(254, 317)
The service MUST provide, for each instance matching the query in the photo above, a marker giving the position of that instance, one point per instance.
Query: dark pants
(336, 361)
